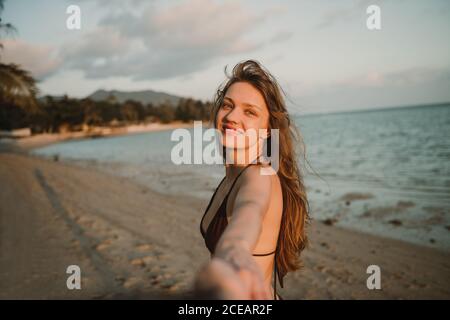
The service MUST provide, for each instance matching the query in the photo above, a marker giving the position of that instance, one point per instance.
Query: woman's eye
(225, 106)
(250, 113)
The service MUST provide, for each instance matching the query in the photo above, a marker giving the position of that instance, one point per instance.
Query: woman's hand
(218, 280)
(233, 274)
(241, 274)
(240, 258)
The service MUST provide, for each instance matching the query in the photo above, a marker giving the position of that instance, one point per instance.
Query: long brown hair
(292, 236)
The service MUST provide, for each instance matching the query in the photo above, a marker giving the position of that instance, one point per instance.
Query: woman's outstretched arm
(244, 278)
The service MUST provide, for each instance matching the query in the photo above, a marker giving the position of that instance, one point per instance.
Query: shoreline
(45, 139)
(133, 242)
(346, 205)
(336, 210)
(200, 187)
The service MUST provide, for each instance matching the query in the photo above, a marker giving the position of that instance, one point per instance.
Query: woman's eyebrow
(244, 103)
(251, 105)
(228, 98)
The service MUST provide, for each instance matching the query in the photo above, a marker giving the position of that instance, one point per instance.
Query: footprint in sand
(169, 283)
(148, 260)
(156, 279)
(143, 261)
(115, 236)
(137, 262)
(131, 282)
(149, 249)
(84, 221)
(154, 275)
(104, 245)
(325, 245)
(120, 279)
(165, 281)
(321, 268)
(144, 247)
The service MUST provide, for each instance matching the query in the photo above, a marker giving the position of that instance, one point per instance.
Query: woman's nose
(233, 115)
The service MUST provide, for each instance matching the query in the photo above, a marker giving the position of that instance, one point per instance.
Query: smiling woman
(254, 224)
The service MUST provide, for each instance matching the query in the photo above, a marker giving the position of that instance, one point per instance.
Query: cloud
(280, 36)
(374, 89)
(406, 77)
(341, 13)
(113, 3)
(174, 41)
(101, 47)
(417, 76)
(40, 60)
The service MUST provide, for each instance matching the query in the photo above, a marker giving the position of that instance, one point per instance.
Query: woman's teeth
(234, 131)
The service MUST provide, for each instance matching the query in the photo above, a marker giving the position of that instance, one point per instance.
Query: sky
(320, 51)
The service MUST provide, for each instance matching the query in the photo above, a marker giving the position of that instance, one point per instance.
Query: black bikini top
(218, 224)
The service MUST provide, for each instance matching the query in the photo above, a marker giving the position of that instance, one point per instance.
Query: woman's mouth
(232, 131)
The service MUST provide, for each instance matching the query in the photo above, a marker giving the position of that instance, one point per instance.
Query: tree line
(19, 107)
(69, 114)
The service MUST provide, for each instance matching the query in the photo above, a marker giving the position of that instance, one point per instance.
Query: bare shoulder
(260, 174)
(261, 183)
(255, 190)
(256, 184)
(254, 176)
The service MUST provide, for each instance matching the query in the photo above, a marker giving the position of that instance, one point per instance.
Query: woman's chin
(231, 143)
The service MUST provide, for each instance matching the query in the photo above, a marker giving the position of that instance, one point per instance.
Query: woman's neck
(232, 171)
(235, 166)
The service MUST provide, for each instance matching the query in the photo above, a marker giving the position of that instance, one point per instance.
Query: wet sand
(134, 242)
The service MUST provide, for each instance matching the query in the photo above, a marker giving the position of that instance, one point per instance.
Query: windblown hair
(292, 236)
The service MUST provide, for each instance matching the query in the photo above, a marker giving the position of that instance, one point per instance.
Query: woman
(254, 225)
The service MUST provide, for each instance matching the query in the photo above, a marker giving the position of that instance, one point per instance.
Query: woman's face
(243, 110)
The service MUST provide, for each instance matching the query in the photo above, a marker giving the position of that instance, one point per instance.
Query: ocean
(384, 172)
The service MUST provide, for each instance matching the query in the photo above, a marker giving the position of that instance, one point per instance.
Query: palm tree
(17, 86)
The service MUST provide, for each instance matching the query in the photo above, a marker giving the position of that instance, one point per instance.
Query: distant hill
(145, 96)
(44, 98)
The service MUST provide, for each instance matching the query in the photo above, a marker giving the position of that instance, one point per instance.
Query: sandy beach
(44, 139)
(131, 241)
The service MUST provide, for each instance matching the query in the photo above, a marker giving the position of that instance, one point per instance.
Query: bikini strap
(242, 171)
(235, 180)
(264, 254)
(209, 205)
(214, 194)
